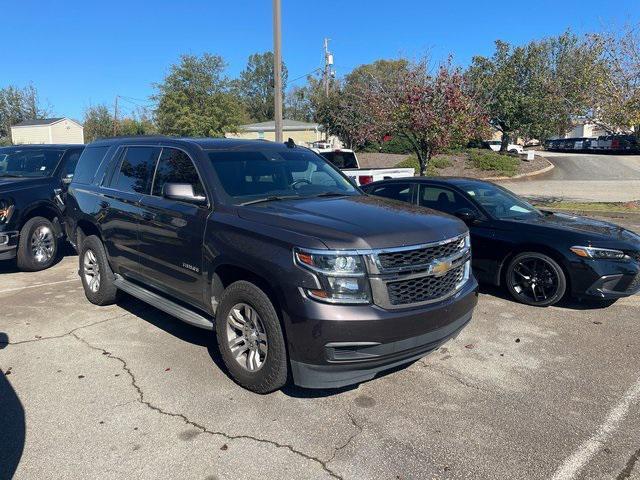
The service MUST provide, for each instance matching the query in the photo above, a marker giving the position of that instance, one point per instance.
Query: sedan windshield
(28, 162)
(255, 176)
(499, 202)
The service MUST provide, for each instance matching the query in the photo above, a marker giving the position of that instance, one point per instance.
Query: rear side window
(136, 170)
(396, 191)
(175, 166)
(70, 163)
(88, 164)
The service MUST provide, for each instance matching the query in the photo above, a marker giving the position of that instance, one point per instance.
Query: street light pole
(277, 70)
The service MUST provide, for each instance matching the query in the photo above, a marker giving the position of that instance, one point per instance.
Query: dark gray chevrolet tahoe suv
(298, 272)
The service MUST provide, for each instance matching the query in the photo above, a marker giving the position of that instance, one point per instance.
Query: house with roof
(47, 131)
(303, 133)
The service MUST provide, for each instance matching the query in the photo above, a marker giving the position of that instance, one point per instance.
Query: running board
(164, 304)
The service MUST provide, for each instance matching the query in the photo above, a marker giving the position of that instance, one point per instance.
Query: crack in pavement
(62, 335)
(628, 469)
(200, 427)
(358, 431)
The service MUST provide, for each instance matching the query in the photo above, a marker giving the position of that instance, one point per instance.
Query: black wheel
(95, 272)
(535, 279)
(38, 245)
(250, 338)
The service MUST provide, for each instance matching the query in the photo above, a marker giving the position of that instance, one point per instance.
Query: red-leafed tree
(431, 111)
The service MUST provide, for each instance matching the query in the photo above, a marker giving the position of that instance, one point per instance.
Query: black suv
(32, 184)
(302, 272)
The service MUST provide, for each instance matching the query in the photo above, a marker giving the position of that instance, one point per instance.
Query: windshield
(249, 176)
(341, 159)
(498, 202)
(28, 162)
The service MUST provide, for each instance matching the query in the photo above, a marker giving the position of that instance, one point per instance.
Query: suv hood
(588, 226)
(351, 222)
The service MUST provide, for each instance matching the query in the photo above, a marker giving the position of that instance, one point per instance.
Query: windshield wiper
(332, 194)
(271, 198)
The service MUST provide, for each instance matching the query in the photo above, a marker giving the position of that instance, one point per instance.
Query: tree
(298, 104)
(17, 105)
(256, 86)
(196, 99)
(99, 123)
(431, 111)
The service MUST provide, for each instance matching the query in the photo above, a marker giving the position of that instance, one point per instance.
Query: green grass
(592, 206)
(488, 160)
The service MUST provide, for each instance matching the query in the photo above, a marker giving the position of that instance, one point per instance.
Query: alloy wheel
(91, 269)
(534, 280)
(42, 244)
(246, 337)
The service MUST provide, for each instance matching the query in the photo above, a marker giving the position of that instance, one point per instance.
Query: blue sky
(122, 47)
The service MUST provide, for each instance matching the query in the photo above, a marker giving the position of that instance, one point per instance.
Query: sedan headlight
(341, 275)
(600, 253)
(6, 209)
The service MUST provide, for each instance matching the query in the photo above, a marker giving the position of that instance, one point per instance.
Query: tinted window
(70, 163)
(396, 191)
(341, 159)
(499, 202)
(88, 164)
(136, 170)
(28, 162)
(442, 199)
(250, 175)
(175, 166)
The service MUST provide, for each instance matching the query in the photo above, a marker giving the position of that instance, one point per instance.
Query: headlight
(6, 209)
(342, 276)
(602, 253)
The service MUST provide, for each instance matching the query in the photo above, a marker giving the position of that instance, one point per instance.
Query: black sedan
(539, 256)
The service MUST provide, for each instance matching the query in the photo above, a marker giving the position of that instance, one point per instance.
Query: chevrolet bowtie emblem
(440, 268)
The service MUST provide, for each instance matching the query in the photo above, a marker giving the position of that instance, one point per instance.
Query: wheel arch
(537, 248)
(45, 210)
(85, 228)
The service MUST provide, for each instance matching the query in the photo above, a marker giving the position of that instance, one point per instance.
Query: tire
(549, 283)
(94, 267)
(38, 247)
(265, 338)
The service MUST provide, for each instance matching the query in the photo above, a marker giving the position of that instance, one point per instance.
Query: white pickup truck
(347, 161)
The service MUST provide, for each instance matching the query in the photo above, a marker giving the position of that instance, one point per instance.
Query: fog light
(4, 239)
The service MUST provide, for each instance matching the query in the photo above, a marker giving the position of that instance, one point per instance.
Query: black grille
(419, 256)
(424, 288)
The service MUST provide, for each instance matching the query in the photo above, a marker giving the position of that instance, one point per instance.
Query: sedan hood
(596, 228)
(351, 222)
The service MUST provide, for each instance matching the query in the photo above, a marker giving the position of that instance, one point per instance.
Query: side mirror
(182, 192)
(67, 180)
(467, 215)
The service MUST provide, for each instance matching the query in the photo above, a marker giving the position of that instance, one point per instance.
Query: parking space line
(576, 461)
(37, 285)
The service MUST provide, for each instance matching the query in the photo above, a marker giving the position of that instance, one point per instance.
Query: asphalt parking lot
(128, 392)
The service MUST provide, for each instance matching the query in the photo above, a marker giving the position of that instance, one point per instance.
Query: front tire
(535, 279)
(96, 274)
(38, 245)
(250, 338)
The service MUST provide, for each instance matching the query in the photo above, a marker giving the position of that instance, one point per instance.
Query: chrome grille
(403, 259)
(424, 288)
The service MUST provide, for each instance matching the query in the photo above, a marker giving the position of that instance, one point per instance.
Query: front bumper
(332, 346)
(8, 245)
(606, 279)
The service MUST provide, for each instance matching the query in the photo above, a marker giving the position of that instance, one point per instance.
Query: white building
(47, 130)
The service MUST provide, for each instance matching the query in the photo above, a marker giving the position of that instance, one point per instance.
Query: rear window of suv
(88, 164)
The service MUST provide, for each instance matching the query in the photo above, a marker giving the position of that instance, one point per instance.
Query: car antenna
(290, 143)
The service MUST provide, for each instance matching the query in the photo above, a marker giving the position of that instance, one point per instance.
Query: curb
(546, 169)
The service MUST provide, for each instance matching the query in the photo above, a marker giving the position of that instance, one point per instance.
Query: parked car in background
(539, 256)
(495, 145)
(32, 183)
(347, 161)
(297, 270)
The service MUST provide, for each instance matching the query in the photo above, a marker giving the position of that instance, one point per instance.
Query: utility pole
(328, 62)
(277, 70)
(115, 117)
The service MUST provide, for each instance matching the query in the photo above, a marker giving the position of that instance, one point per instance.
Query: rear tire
(38, 246)
(247, 321)
(95, 272)
(535, 279)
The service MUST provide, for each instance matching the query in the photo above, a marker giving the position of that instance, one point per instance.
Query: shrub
(489, 160)
(432, 168)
